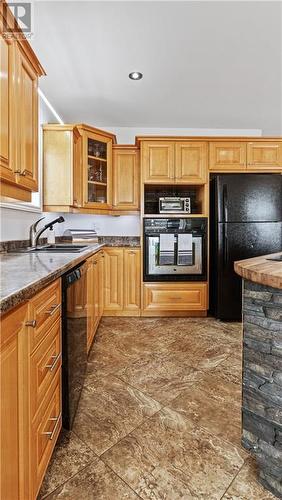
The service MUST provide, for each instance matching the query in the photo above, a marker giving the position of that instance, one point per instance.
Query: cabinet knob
(31, 323)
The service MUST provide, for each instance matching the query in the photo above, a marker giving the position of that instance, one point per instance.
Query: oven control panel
(160, 225)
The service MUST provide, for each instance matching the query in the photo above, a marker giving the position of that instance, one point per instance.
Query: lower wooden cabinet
(168, 299)
(95, 294)
(44, 433)
(122, 282)
(14, 473)
(30, 413)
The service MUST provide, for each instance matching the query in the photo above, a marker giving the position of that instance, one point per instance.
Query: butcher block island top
(261, 270)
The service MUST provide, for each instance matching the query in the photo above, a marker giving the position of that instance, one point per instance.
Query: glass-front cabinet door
(97, 171)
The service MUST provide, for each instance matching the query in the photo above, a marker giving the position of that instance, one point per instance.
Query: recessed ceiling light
(135, 75)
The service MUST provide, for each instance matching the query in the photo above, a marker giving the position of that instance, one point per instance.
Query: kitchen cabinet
(126, 178)
(264, 155)
(113, 295)
(30, 364)
(95, 295)
(83, 183)
(228, 156)
(132, 289)
(122, 282)
(14, 454)
(243, 156)
(20, 70)
(165, 162)
(190, 162)
(157, 162)
(168, 299)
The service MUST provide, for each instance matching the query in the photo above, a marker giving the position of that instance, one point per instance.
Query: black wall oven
(171, 267)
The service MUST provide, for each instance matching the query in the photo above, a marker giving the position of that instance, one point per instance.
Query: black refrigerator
(245, 222)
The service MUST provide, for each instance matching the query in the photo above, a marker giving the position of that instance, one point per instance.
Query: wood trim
(14, 192)
(206, 138)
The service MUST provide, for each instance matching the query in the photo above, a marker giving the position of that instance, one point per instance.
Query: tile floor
(159, 416)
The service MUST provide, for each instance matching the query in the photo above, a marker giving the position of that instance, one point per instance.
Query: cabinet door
(190, 162)
(125, 179)
(7, 100)
(101, 283)
(264, 155)
(97, 171)
(96, 285)
(13, 424)
(113, 282)
(90, 303)
(27, 105)
(158, 162)
(228, 156)
(132, 280)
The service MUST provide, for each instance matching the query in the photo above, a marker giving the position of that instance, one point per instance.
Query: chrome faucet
(35, 235)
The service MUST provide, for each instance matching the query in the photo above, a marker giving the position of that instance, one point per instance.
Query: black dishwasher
(74, 340)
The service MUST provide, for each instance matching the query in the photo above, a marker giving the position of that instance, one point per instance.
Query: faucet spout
(35, 235)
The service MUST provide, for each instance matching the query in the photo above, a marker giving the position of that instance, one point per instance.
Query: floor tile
(95, 482)
(70, 455)
(108, 410)
(163, 378)
(168, 457)
(230, 370)
(218, 384)
(222, 420)
(246, 486)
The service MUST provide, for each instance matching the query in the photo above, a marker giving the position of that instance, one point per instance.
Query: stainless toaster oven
(174, 204)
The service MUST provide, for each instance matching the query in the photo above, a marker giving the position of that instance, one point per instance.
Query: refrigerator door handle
(225, 209)
(225, 245)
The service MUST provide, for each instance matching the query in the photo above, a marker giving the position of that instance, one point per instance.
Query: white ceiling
(205, 64)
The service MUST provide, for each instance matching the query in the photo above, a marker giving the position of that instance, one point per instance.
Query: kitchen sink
(276, 258)
(56, 248)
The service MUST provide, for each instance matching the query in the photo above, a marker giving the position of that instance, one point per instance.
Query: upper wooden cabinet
(126, 178)
(228, 156)
(190, 162)
(259, 155)
(96, 170)
(19, 113)
(157, 162)
(27, 169)
(165, 162)
(264, 155)
(83, 181)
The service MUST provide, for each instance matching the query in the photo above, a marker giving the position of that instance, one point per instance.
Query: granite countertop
(24, 274)
(260, 270)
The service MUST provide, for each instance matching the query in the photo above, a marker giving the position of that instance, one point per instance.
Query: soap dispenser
(51, 236)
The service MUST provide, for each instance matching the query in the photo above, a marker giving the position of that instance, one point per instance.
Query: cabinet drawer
(44, 310)
(45, 431)
(44, 364)
(175, 297)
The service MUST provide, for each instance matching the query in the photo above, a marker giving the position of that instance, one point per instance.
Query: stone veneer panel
(262, 381)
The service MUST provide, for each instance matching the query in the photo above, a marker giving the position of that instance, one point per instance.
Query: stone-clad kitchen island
(262, 367)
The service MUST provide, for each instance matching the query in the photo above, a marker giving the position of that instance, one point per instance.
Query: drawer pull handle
(53, 309)
(55, 361)
(51, 434)
(31, 323)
